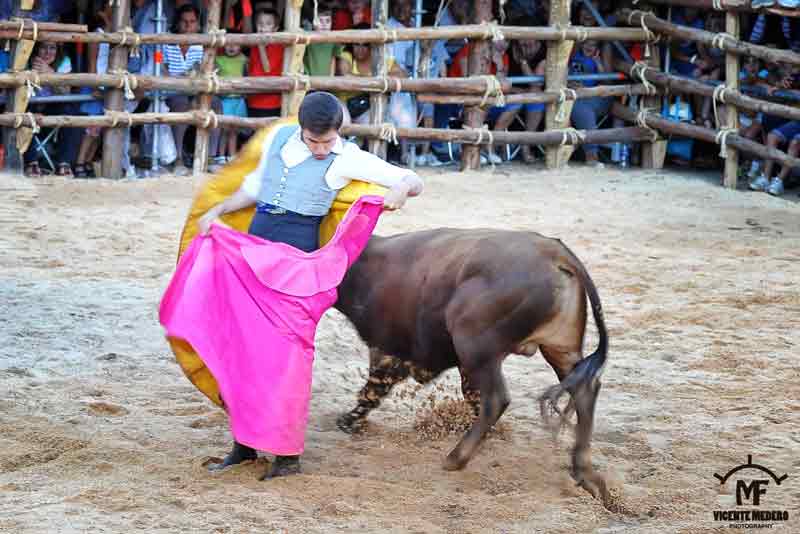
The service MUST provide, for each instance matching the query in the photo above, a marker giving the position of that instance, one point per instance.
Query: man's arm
(239, 200)
(357, 164)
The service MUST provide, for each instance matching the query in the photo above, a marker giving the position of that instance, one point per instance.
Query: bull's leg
(470, 392)
(384, 372)
(494, 400)
(583, 400)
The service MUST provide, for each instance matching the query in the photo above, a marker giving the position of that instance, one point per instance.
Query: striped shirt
(177, 63)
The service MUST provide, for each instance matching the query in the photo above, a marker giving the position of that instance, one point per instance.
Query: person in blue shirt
(684, 53)
(587, 111)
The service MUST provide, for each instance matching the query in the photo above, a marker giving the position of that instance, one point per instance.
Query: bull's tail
(586, 372)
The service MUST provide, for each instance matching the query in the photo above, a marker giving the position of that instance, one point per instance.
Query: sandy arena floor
(101, 432)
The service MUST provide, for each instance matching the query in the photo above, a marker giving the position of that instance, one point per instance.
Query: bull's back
(399, 291)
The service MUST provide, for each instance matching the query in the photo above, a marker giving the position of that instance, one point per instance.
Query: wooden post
(200, 162)
(293, 58)
(555, 79)
(654, 152)
(378, 102)
(478, 65)
(17, 141)
(732, 81)
(113, 138)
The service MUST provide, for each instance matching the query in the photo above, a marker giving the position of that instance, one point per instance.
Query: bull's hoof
(350, 424)
(453, 462)
(596, 486)
(283, 466)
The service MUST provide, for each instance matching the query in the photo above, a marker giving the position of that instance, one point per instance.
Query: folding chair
(41, 144)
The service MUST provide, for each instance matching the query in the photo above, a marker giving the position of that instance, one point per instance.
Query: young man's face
(320, 144)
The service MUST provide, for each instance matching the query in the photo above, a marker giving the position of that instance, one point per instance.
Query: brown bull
(428, 301)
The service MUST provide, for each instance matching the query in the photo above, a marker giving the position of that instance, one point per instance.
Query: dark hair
(320, 112)
(185, 8)
(60, 53)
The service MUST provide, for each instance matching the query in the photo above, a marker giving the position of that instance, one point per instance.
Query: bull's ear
(288, 270)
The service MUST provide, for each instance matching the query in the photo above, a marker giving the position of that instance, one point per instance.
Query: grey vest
(302, 188)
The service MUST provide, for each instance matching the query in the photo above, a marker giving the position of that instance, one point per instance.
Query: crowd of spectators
(433, 59)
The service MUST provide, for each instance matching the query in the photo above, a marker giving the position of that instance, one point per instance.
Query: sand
(101, 432)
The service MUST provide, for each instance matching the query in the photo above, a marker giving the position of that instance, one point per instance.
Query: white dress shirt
(351, 163)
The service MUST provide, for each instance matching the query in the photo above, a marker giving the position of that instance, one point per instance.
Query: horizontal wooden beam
(255, 84)
(733, 46)
(705, 134)
(473, 31)
(678, 84)
(536, 97)
(42, 26)
(206, 119)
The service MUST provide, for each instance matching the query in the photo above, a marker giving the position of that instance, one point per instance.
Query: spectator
(401, 105)
(358, 62)
(320, 58)
(783, 77)
(233, 64)
(49, 58)
(528, 59)
(498, 67)
(434, 58)
(684, 53)
(265, 60)
(181, 61)
(353, 13)
(708, 67)
(238, 16)
(587, 111)
(788, 133)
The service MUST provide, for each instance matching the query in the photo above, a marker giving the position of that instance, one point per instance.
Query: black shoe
(240, 453)
(283, 466)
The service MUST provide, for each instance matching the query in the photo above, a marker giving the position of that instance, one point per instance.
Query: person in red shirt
(355, 12)
(502, 116)
(265, 60)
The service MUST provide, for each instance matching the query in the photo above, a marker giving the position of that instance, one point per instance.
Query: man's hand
(396, 197)
(410, 186)
(204, 223)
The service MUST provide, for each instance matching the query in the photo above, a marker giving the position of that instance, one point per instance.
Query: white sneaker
(421, 160)
(181, 170)
(775, 187)
(759, 184)
(433, 161)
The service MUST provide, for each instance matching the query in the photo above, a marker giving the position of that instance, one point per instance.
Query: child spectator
(320, 58)
(231, 65)
(265, 60)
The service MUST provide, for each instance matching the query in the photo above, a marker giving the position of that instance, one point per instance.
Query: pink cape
(250, 308)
